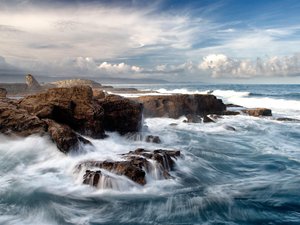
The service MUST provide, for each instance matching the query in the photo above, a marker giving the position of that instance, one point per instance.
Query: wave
(230, 93)
(181, 91)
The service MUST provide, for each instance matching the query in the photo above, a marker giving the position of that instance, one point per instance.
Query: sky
(231, 41)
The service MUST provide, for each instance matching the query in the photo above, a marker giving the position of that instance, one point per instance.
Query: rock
(131, 169)
(98, 94)
(15, 120)
(230, 113)
(64, 137)
(233, 106)
(121, 114)
(288, 119)
(153, 139)
(3, 93)
(258, 112)
(174, 106)
(163, 157)
(193, 119)
(92, 177)
(229, 128)
(207, 119)
(134, 167)
(32, 83)
(73, 106)
(173, 124)
(75, 82)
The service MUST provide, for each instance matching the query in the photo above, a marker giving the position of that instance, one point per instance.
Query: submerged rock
(174, 106)
(73, 106)
(121, 114)
(285, 119)
(135, 166)
(258, 112)
(153, 139)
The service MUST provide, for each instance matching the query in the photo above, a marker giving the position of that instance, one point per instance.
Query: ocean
(247, 176)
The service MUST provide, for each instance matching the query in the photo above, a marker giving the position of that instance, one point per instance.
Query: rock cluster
(134, 166)
(66, 114)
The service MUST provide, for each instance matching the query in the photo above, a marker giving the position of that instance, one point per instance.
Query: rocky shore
(71, 114)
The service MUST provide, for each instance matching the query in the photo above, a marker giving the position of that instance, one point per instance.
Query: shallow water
(247, 176)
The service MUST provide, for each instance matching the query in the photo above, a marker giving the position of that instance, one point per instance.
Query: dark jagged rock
(174, 106)
(193, 119)
(92, 177)
(15, 120)
(121, 114)
(131, 169)
(229, 128)
(207, 119)
(163, 157)
(134, 167)
(64, 137)
(233, 106)
(230, 113)
(285, 119)
(3, 93)
(73, 106)
(258, 112)
(153, 139)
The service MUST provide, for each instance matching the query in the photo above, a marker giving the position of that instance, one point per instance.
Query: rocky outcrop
(74, 107)
(65, 138)
(32, 83)
(174, 106)
(3, 93)
(135, 166)
(121, 114)
(17, 121)
(258, 112)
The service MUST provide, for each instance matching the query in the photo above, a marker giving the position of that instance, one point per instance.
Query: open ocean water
(247, 176)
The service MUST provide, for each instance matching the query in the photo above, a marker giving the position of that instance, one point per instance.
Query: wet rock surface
(153, 139)
(64, 137)
(135, 166)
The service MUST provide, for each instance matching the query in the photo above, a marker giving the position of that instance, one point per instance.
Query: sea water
(247, 176)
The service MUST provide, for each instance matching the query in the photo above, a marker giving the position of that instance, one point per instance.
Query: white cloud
(118, 68)
(221, 65)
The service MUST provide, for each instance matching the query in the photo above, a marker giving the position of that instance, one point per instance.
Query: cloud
(220, 65)
(119, 68)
